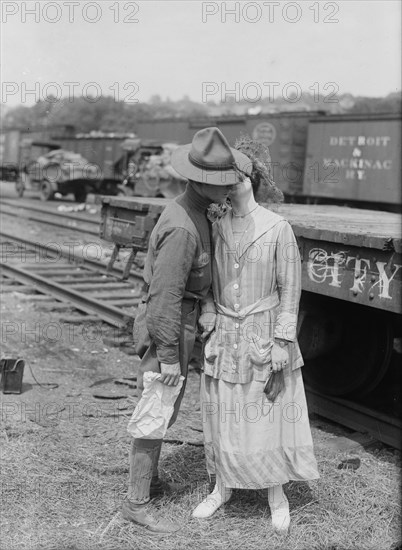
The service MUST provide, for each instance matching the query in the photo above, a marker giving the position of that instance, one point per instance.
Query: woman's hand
(279, 357)
(206, 324)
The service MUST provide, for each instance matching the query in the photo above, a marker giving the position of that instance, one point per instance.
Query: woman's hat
(210, 159)
(264, 187)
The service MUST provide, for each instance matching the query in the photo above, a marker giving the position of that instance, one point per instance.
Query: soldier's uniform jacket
(256, 287)
(178, 272)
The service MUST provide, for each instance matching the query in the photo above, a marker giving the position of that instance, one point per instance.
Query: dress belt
(263, 304)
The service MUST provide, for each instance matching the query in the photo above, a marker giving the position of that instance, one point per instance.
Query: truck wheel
(46, 191)
(19, 188)
(80, 195)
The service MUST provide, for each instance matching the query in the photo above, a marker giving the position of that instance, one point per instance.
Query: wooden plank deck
(340, 224)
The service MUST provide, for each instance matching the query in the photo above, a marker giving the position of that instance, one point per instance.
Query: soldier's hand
(206, 324)
(170, 374)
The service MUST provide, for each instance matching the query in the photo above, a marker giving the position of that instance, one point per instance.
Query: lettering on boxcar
(361, 266)
(322, 266)
(358, 164)
(331, 268)
(384, 281)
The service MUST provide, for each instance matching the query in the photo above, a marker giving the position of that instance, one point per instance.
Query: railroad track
(72, 278)
(86, 284)
(43, 215)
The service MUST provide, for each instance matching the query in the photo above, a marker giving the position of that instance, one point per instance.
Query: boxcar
(354, 159)
(284, 133)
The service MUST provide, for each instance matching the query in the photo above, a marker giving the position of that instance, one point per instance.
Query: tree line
(108, 115)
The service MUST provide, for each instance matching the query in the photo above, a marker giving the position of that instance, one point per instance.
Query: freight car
(317, 159)
(285, 134)
(348, 160)
(350, 313)
(354, 160)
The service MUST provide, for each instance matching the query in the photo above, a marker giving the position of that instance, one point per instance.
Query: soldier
(177, 276)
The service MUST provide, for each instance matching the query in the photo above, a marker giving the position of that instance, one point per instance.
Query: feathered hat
(261, 174)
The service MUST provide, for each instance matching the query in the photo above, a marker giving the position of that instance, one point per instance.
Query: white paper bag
(153, 412)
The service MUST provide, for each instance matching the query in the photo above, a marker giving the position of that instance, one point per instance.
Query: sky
(205, 50)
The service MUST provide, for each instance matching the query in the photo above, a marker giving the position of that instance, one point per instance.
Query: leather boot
(279, 506)
(142, 457)
(158, 487)
(138, 513)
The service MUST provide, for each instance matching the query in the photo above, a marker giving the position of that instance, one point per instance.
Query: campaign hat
(210, 159)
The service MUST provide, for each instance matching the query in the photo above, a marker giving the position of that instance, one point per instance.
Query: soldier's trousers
(144, 453)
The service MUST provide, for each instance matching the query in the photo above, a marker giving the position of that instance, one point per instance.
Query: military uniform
(177, 274)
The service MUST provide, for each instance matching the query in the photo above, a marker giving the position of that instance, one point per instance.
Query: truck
(54, 160)
(11, 139)
(131, 166)
(54, 171)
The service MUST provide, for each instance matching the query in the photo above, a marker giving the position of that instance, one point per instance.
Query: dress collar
(262, 221)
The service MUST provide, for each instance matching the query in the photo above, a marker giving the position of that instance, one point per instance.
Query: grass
(64, 476)
(63, 486)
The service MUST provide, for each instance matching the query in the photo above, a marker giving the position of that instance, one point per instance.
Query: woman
(251, 441)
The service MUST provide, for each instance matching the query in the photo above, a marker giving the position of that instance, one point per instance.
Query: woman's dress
(251, 442)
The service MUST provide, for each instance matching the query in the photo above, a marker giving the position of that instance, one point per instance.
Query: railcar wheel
(46, 191)
(80, 195)
(359, 360)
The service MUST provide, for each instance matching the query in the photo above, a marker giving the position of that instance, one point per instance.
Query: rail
(68, 282)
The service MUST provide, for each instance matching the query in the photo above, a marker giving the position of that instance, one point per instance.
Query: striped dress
(250, 442)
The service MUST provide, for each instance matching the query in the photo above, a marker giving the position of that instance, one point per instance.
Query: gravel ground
(65, 454)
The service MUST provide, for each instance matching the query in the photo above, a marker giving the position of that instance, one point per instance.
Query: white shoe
(279, 505)
(281, 520)
(210, 505)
